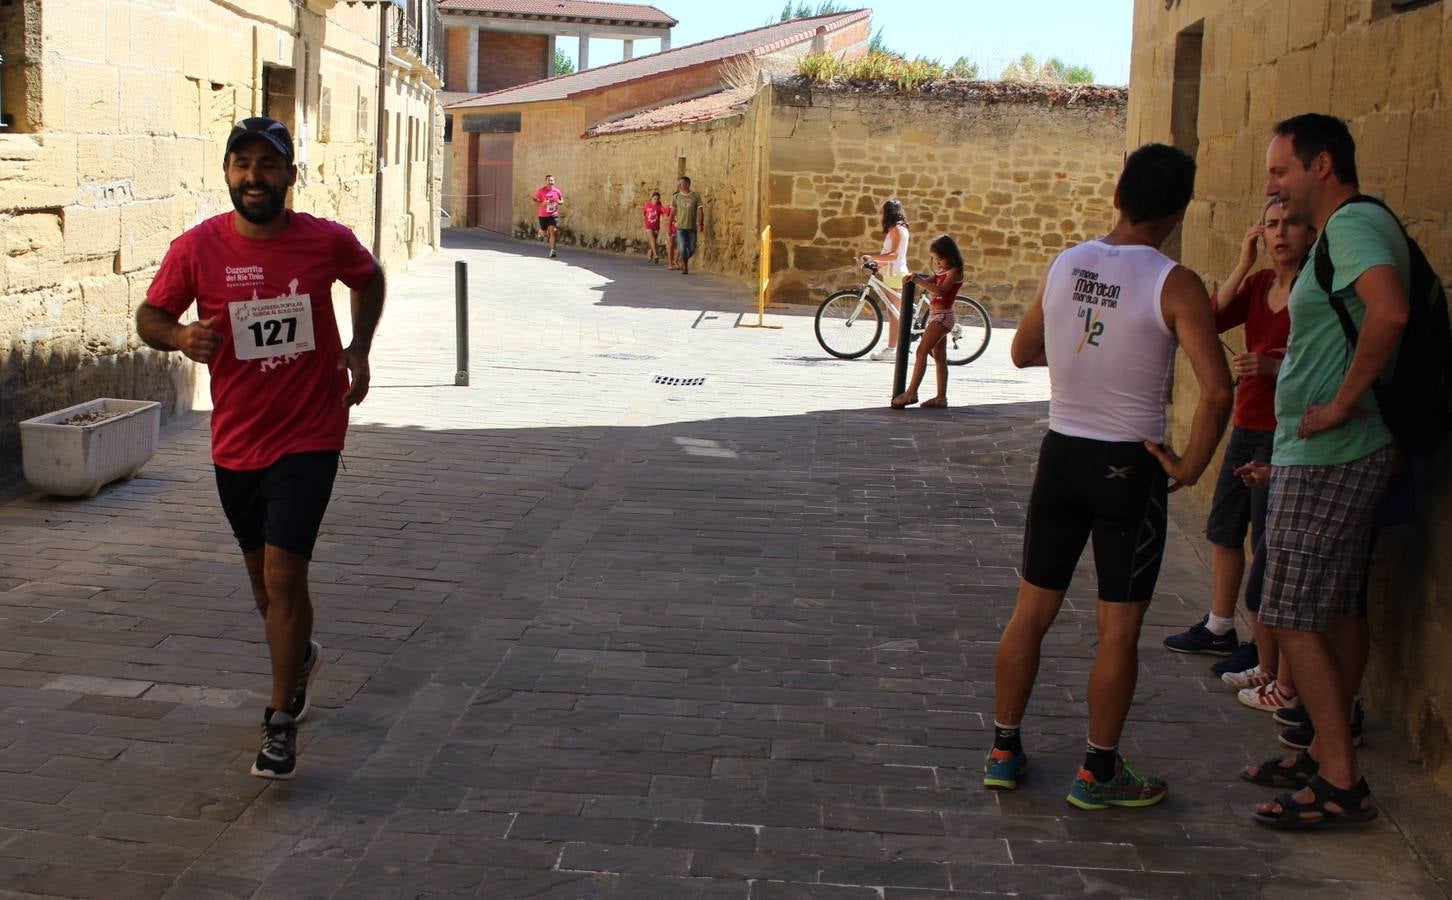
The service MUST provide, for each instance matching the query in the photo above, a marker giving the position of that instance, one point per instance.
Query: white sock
(1220, 625)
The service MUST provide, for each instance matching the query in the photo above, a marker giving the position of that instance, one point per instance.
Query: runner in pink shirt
(549, 199)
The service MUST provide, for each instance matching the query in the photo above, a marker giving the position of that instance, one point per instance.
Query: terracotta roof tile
(701, 109)
(756, 42)
(564, 9)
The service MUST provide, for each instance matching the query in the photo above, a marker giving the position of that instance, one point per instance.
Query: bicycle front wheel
(969, 337)
(848, 324)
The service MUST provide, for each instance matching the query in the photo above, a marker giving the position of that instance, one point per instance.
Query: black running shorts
(281, 505)
(548, 222)
(1113, 492)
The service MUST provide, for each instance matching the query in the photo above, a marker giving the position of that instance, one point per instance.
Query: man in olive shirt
(689, 214)
(1331, 460)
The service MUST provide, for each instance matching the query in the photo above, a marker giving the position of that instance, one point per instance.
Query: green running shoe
(1003, 769)
(1124, 789)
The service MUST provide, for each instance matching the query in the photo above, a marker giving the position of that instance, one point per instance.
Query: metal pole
(904, 337)
(461, 321)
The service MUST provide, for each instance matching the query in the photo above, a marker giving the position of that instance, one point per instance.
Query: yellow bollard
(765, 270)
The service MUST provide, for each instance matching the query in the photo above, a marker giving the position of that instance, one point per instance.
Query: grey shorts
(1236, 504)
(1318, 529)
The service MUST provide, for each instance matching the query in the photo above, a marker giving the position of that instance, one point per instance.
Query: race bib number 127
(262, 329)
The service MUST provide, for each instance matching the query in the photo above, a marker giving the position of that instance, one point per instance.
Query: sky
(1095, 33)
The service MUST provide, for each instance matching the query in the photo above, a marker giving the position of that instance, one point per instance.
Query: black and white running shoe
(278, 756)
(311, 664)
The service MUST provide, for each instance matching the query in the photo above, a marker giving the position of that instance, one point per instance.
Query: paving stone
(620, 641)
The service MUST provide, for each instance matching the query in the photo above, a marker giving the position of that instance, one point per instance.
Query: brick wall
(1389, 74)
(456, 58)
(506, 60)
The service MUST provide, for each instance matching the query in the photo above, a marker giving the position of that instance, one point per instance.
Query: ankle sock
(1220, 625)
(1100, 761)
(1006, 737)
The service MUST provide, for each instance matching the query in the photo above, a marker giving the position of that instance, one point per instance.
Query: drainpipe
(382, 129)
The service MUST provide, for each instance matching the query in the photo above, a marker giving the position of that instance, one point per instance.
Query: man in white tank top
(1107, 321)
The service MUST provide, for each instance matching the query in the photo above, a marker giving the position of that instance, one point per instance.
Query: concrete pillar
(471, 77)
(550, 58)
(629, 48)
(665, 40)
(584, 62)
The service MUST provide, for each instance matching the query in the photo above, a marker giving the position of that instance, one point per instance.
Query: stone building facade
(116, 114)
(1014, 173)
(1213, 76)
(504, 143)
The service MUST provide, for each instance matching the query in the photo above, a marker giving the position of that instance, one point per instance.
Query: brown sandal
(904, 400)
(935, 403)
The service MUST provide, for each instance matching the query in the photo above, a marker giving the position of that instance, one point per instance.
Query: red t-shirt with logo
(652, 216)
(1267, 333)
(271, 404)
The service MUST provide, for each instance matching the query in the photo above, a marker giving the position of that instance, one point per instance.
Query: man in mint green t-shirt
(1332, 458)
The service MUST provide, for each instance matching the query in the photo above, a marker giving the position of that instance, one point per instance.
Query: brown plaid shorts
(1316, 535)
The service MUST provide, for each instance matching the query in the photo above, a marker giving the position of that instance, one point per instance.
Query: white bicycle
(849, 322)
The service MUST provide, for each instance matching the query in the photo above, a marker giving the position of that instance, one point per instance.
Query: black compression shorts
(281, 505)
(1113, 492)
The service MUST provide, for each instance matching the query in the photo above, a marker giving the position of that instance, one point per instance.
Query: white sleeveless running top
(1106, 341)
(899, 263)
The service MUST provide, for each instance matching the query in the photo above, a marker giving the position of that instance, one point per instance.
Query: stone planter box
(76, 460)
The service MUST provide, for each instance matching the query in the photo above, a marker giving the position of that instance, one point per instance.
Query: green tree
(878, 45)
(804, 10)
(1051, 71)
(963, 67)
(563, 64)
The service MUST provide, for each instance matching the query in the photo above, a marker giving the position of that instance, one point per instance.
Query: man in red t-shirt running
(282, 383)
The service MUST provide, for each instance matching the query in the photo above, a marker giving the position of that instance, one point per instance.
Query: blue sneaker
(1124, 789)
(1200, 639)
(1240, 659)
(1003, 769)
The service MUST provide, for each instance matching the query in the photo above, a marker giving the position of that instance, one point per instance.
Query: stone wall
(1389, 73)
(119, 149)
(1013, 176)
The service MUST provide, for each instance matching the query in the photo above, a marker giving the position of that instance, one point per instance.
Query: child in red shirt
(653, 211)
(943, 288)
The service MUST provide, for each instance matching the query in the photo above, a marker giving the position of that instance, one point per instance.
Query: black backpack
(1415, 402)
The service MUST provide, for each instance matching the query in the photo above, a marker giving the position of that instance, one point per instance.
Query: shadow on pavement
(616, 661)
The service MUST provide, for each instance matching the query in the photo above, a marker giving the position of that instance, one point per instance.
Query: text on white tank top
(898, 265)
(1106, 341)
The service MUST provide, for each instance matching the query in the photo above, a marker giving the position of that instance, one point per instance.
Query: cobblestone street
(590, 636)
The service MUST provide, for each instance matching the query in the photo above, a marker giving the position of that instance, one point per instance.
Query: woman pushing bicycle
(893, 260)
(943, 287)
